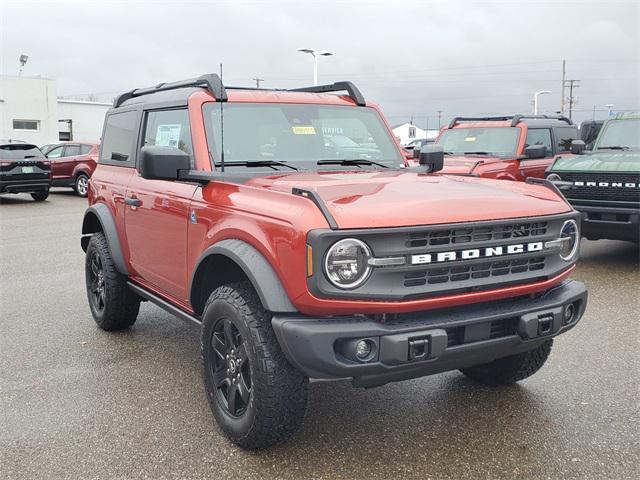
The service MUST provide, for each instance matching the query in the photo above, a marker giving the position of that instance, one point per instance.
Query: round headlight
(554, 177)
(570, 236)
(346, 263)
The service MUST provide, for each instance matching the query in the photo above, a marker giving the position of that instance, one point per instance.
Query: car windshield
(491, 141)
(18, 151)
(299, 136)
(621, 134)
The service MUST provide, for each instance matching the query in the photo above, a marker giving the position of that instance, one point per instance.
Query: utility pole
(258, 80)
(572, 83)
(439, 117)
(564, 74)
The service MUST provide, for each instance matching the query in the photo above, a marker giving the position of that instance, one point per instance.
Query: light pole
(315, 53)
(535, 100)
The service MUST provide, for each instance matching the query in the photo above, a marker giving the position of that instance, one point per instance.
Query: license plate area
(27, 169)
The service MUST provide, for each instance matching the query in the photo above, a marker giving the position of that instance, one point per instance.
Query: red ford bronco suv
(507, 148)
(301, 255)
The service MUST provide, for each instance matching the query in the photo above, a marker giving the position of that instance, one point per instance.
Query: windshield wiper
(614, 147)
(258, 163)
(357, 162)
(477, 153)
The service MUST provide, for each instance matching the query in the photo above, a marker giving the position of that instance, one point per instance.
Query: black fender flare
(103, 215)
(257, 269)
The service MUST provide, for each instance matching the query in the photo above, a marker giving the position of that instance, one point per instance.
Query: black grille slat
(628, 194)
(475, 234)
(482, 270)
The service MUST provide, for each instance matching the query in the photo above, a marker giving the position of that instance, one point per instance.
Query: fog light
(363, 349)
(569, 313)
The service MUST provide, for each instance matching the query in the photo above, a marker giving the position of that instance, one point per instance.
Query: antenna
(221, 127)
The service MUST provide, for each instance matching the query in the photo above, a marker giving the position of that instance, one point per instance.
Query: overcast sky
(413, 58)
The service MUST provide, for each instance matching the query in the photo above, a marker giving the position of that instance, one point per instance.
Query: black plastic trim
(211, 82)
(103, 214)
(515, 119)
(349, 87)
(162, 303)
(259, 271)
(315, 198)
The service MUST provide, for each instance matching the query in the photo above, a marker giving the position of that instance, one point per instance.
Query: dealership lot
(78, 402)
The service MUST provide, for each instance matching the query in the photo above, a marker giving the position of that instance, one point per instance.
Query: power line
(258, 80)
(572, 83)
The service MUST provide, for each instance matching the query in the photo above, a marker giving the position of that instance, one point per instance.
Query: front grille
(504, 327)
(456, 236)
(602, 192)
(468, 272)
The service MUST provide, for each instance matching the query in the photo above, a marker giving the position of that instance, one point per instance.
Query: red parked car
(72, 164)
(507, 148)
(237, 210)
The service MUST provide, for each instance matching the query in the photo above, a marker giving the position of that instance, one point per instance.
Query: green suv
(604, 183)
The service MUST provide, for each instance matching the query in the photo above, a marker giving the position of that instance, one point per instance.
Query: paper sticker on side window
(304, 130)
(168, 135)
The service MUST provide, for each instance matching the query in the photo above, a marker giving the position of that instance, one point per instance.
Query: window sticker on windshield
(304, 130)
(168, 135)
(470, 139)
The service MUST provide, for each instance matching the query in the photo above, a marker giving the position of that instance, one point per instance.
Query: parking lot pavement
(77, 402)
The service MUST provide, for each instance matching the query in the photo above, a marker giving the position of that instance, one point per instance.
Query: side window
(169, 128)
(564, 137)
(55, 153)
(119, 138)
(539, 136)
(84, 149)
(72, 150)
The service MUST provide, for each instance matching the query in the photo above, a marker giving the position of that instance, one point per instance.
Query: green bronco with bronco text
(604, 183)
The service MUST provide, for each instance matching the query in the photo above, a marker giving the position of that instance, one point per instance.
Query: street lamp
(23, 61)
(609, 109)
(315, 53)
(535, 100)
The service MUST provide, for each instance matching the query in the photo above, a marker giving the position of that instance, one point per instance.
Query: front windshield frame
(378, 131)
(514, 132)
(603, 143)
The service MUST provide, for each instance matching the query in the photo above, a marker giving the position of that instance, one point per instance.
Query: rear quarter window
(119, 138)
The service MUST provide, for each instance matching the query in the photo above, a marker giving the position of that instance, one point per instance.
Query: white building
(30, 110)
(408, 132)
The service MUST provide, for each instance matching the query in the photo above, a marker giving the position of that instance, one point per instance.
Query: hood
(366, 199)
(601, 161)
(465, 164)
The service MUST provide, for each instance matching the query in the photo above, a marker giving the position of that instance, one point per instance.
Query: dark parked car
(72, 164)
(24, 169)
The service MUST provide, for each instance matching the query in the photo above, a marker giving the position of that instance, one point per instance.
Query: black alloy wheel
(230, 368)
(97, 282)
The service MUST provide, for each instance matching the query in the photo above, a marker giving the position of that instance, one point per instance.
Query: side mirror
(163, 163)
(578, 147)
(535, 151)
(432, 156)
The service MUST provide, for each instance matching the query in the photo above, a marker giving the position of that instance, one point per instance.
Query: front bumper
(613, 223)
(424, 343)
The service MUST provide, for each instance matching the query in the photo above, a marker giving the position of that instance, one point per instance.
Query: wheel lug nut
(227, 356)
(238, 376)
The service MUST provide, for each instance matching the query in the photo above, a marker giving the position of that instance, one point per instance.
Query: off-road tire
(278, 395)
(40, 196)
(508, 370)
(120, 305)
(81, 185)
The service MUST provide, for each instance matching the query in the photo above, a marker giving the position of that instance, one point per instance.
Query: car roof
(5, 143)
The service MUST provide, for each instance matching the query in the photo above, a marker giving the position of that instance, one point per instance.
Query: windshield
(492, 141)
(299, 135)
(18, 151)
(621, 133)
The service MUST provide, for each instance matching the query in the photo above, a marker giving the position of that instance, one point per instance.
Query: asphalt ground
(77, 402)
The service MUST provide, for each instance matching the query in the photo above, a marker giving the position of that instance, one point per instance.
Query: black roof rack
(213, 83)
(349, 87)
(210, 81)
(515, 119)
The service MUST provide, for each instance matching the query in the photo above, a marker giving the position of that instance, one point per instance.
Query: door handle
(134, 202)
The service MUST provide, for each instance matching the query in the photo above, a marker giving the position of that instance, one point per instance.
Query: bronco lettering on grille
(472, 253)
